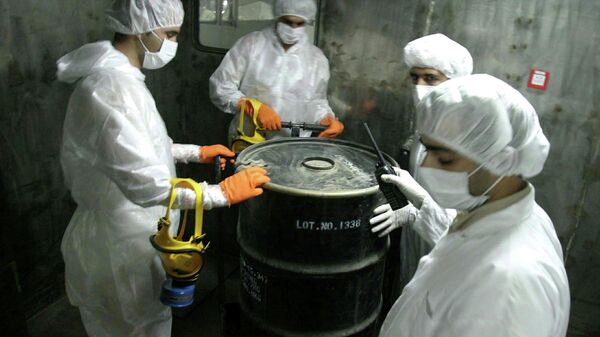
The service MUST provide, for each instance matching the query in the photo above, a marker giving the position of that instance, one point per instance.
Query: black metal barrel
(310, 265)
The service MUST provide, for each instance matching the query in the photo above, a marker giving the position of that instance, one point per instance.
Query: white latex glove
(407, 185)
(385, 220)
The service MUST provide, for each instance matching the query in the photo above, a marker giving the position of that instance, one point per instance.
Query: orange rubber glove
(267, 117)
(209, 152)
(244, 184)
(334, 129)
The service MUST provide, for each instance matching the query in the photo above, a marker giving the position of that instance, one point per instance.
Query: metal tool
(250, 132)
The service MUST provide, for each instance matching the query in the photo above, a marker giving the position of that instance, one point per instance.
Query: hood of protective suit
(439, 52)
(92, 58)
(488, 121)
(305, 9)
(132, 17)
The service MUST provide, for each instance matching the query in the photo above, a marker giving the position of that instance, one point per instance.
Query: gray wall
(35, 205)
(363, 41)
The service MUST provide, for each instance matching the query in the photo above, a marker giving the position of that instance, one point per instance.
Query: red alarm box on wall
(538, 79)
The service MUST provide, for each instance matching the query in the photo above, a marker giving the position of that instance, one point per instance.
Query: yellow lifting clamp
(243, 140)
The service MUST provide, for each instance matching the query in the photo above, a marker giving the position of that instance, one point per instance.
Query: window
(220, 23)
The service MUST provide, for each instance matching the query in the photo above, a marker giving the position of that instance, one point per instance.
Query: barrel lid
(315, 166)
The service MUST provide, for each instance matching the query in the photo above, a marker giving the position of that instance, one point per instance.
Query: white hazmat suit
(499, 270)
(293, 83)
(117, 161)
(429, 222)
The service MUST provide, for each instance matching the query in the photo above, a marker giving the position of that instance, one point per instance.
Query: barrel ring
(318, 163)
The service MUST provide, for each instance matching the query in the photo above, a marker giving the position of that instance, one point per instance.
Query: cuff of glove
(324, 116)
(213, 196)
(186, 153)
(432, 221)
(411, 216)
(234, 103)
(405, 216)
(185, 198)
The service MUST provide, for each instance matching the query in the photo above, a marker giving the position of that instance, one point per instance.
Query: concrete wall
(35, 205)
(364, 40)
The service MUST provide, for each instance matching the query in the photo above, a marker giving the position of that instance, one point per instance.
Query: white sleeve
(212, 197)
(185, 153)
(432, 221)
(224, 84)
(319, 103)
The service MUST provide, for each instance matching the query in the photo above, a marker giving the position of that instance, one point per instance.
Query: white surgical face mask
(420, 91)
(155, 60)
(289, 35)
(451, 189)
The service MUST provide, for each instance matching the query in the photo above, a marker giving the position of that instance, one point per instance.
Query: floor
(204, 319)
(212, 307)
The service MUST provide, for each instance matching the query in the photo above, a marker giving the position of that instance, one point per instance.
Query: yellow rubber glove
(244, 184)
(209, 152)
(267, 117)
(334, 129)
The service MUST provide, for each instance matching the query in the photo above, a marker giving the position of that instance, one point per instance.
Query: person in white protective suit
(432, 60)
(117, 161)
(498, 271)
(279, 67)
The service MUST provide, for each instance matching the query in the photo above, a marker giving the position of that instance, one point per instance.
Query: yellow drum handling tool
(248, 133)
(181, 255)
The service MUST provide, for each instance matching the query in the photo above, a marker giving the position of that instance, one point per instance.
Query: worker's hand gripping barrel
(181, 255)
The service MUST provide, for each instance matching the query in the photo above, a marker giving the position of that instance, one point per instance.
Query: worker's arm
(118, 146)
(239, 187)
(114, 141)
(425, 216)
(224, 84)
(432, 221)
(190, 153)
(318, 104)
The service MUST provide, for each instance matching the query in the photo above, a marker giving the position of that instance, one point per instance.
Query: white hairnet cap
(306, 9)
(439, 52)
(132, 17)
(488, 121)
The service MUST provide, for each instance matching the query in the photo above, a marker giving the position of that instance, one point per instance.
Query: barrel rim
(316, 193)
(320, 194)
